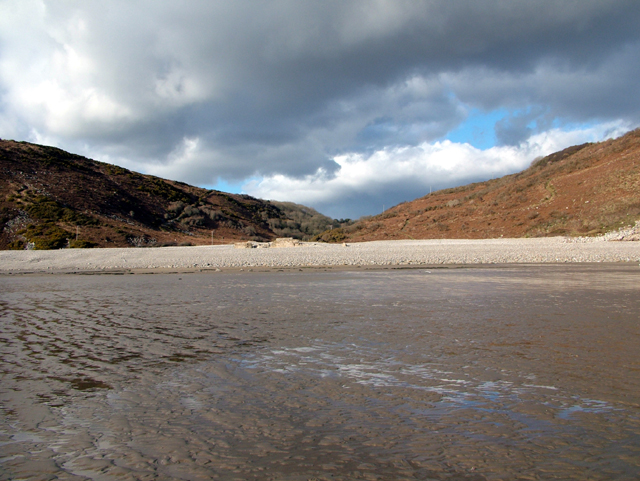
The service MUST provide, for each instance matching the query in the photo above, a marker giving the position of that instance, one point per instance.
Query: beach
(477, 372)
(366, 254)
(417, 359)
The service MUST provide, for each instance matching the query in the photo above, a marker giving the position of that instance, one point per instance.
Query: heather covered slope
(584, 190)
(50, 198)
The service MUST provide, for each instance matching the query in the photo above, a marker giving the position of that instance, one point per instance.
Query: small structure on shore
(280, 242)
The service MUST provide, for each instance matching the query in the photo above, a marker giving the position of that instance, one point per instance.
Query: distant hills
(584, 190)
(52, 199)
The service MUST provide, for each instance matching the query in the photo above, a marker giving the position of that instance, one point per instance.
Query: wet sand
(474, 373)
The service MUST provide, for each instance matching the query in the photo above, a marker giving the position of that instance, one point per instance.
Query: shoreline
(370, 255)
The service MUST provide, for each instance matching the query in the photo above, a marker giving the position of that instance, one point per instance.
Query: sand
(365, 254)
(502, 372)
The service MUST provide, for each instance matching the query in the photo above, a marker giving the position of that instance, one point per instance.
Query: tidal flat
(463, 373)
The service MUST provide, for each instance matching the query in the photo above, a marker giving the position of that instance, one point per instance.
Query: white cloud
(410, 172)
(51, 81)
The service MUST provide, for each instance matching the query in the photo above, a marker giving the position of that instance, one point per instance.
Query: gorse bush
(46, 236)
(81, 244)
(16, 245)
(331, 236)
(43, 208)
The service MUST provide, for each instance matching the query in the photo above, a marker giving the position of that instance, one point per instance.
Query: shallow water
(465, 374)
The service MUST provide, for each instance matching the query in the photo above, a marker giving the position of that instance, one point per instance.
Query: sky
(347, 106)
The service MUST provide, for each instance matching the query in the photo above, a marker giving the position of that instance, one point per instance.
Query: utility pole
(211, 237)
(77, 232)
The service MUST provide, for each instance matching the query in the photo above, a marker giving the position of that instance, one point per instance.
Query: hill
(300, 219)
(50, 199)
(584, 190)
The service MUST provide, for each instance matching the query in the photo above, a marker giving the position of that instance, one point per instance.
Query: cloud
(285, 88)
(366, 184)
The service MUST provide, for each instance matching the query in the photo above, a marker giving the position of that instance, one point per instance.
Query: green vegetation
(301, 222)
(48, 210)
(116, 170)
(46, 236)
(166, 191)
(192, 215)
(81, 244)
(53, 157)
(16, 245)
(331, 236)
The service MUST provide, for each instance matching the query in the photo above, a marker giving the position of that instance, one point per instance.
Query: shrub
(214, 215)
(46, 209)
(197, 220)
(116, 170)
(46, 236)
(176, 207)
(331, 236)
(81, 244)
(191, 210)
(294, 220)
(160, 188)
(16, 245)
